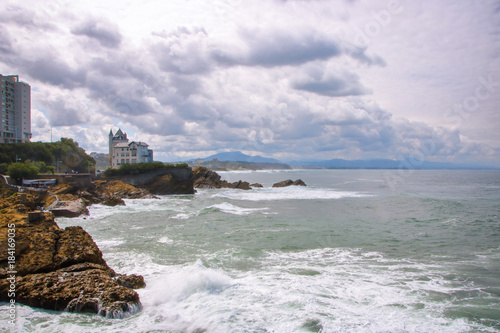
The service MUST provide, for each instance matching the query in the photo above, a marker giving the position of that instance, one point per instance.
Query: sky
(288, 79)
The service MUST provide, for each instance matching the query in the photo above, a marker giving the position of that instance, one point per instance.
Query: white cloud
(282, 78)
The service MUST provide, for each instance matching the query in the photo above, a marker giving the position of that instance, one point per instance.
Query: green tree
(18, 171)
(3, 168)
(51, 169)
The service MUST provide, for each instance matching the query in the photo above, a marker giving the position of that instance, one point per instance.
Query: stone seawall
(82, 179)
(182, 174)
(164, 181)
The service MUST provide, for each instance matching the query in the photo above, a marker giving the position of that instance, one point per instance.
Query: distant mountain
(238, 156)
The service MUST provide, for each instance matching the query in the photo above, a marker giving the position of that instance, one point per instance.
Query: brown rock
(117, 188)
(256, 185)
(91, 290)
(239, 184)
(70, 208)
(168, 184)
(299, 182)
(289, 182)
(130, 281)
(205, 178)
(113, 201)
(59, 269)
(75, 246)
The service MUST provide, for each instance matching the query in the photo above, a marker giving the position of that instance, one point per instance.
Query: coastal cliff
(42, 265)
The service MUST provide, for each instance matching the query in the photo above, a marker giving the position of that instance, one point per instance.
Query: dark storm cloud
(66, 112)
(55, 71)
(333, 86)
(283, 48)
(279, 48)
(104, 32)
(26, 18)
(5, 42)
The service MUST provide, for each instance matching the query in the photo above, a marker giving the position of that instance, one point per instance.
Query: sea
(353, 251)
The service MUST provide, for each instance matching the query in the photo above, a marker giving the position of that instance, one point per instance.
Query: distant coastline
(233, 161)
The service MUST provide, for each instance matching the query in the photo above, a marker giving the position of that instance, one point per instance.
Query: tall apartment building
(121, 151)
(16, 110)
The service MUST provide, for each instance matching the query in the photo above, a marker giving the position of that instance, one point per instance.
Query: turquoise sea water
(354, 251)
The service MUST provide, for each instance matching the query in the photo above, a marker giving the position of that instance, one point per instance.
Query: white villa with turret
(121, 151)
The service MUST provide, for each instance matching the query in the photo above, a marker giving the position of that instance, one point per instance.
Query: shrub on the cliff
(139, 168)
(18, 171)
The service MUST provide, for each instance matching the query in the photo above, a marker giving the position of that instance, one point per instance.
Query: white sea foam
(330, 290)
(233, 209)
(102, 244)
(165, 240)
(182, 216)
(289, 193)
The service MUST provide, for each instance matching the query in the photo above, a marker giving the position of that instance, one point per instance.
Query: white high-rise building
(16, 110)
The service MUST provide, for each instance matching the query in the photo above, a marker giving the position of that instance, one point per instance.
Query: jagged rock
(117, 188)
(299, 182)
(289, 182)
(130, 281)
(168, 184)
(75, 246)
(113, 201)
(205, 178)
(256, 185)
(73, 208)
(91, 290)
(59, 269)
(239, 184)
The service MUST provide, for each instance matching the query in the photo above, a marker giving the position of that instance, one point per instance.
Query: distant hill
(271, 163)
(238, 156)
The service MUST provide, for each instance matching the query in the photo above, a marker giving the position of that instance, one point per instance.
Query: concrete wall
(83, 179)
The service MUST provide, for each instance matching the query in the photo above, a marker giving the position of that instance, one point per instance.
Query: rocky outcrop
(117, 188)
(169, 184)
(77, 288)
(205, 178)
(72, 200)
(58, 269)
(290, 182)
(70, 208)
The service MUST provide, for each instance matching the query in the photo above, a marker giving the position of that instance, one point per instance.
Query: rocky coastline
(57, 269)
(63, 269)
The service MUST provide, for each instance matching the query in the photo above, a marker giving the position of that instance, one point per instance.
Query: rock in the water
(169, 184)
(239, 184)
(132, 281)
(73, 208)
(113, 201)
(204, 178)
(91, 290)
(289, 182)
(256, 185)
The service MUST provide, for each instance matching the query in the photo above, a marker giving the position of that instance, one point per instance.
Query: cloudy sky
(289, 79)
